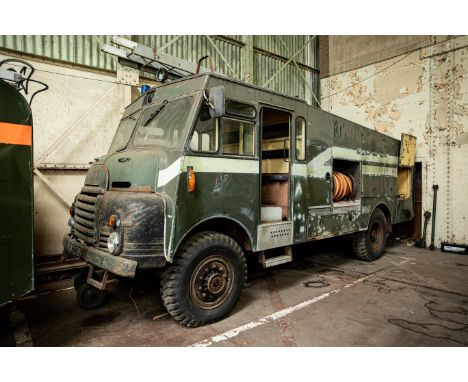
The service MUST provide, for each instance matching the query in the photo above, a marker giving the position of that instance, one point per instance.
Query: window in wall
(300, 138)
(205, 136)
(238, 137)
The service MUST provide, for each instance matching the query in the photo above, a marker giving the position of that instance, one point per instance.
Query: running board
(276, 260)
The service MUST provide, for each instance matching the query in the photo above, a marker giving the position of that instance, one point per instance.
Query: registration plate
(72, 249)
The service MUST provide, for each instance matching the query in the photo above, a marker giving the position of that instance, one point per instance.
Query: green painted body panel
(16, 202)
(319, 139)
(217, 195)
(140, 168)
(322, 226)
(299, 207)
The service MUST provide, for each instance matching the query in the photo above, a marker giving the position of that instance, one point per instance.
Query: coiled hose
(343, 186)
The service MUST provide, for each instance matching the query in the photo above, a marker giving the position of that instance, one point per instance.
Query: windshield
(124, 132)
(163, 124)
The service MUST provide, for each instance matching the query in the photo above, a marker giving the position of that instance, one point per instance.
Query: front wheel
(89, 297)
(370, 245)
(206, 279)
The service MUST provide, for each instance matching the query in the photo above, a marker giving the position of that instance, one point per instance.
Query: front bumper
(114, 264)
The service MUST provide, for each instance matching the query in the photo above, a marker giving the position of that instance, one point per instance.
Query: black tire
(81, 278)
(205, 280)
(370, 245)
(89, 297)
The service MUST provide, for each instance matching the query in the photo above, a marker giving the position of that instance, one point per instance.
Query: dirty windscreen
(163, 124)
(124, 132)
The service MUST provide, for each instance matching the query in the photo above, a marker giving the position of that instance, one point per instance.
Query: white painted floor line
(272, 317)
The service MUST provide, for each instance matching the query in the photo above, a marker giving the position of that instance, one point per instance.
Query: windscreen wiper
(131, 115)
(156, 112)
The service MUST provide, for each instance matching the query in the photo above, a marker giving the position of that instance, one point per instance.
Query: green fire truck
(206, 170)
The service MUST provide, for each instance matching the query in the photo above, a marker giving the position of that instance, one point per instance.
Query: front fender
(142, 223)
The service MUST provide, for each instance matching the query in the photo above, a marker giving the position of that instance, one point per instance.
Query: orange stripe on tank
(13, 134)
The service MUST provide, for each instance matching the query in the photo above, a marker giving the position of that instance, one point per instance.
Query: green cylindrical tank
(16, 195)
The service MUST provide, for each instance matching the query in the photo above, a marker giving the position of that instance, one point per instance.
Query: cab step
(276, 260)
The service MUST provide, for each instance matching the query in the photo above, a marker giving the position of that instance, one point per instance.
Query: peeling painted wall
(424, 93)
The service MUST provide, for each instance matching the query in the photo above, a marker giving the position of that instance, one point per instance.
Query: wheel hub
(212, 282)
(216, 283)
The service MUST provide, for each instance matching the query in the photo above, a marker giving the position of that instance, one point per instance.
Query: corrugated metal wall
(191, 48)
(76, 118)
(270, 54)
(83, 50)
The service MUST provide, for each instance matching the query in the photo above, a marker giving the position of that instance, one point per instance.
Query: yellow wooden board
(404, 182)
(407, 150)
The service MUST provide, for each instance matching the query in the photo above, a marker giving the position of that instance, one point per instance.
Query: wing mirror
(216, 101)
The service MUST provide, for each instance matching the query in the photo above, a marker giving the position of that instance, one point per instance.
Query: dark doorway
(412, 230)
(275, 165)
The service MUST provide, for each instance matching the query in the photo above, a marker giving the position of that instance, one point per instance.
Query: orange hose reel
(343, 186)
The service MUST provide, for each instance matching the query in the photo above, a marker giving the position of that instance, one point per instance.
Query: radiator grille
(85, 218)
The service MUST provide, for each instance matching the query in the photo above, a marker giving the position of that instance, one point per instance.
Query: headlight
(71, 223)
(113, 243)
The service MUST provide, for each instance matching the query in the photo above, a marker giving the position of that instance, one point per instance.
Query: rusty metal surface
(100, 259)
(407, 150)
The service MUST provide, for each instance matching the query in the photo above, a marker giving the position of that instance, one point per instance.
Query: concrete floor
(410, 297)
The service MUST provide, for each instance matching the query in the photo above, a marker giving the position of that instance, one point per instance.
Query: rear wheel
(206, 279)
(370, 245)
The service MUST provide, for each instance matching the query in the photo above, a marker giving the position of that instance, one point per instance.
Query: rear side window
(300, 138)
(240, 109)
(238, 137)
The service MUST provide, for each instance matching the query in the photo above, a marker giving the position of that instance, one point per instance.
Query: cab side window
(238, 128)
(238, 137)
(238, 131)
(205, 136)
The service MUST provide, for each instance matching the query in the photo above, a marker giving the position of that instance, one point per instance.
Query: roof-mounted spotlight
(161, 75)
